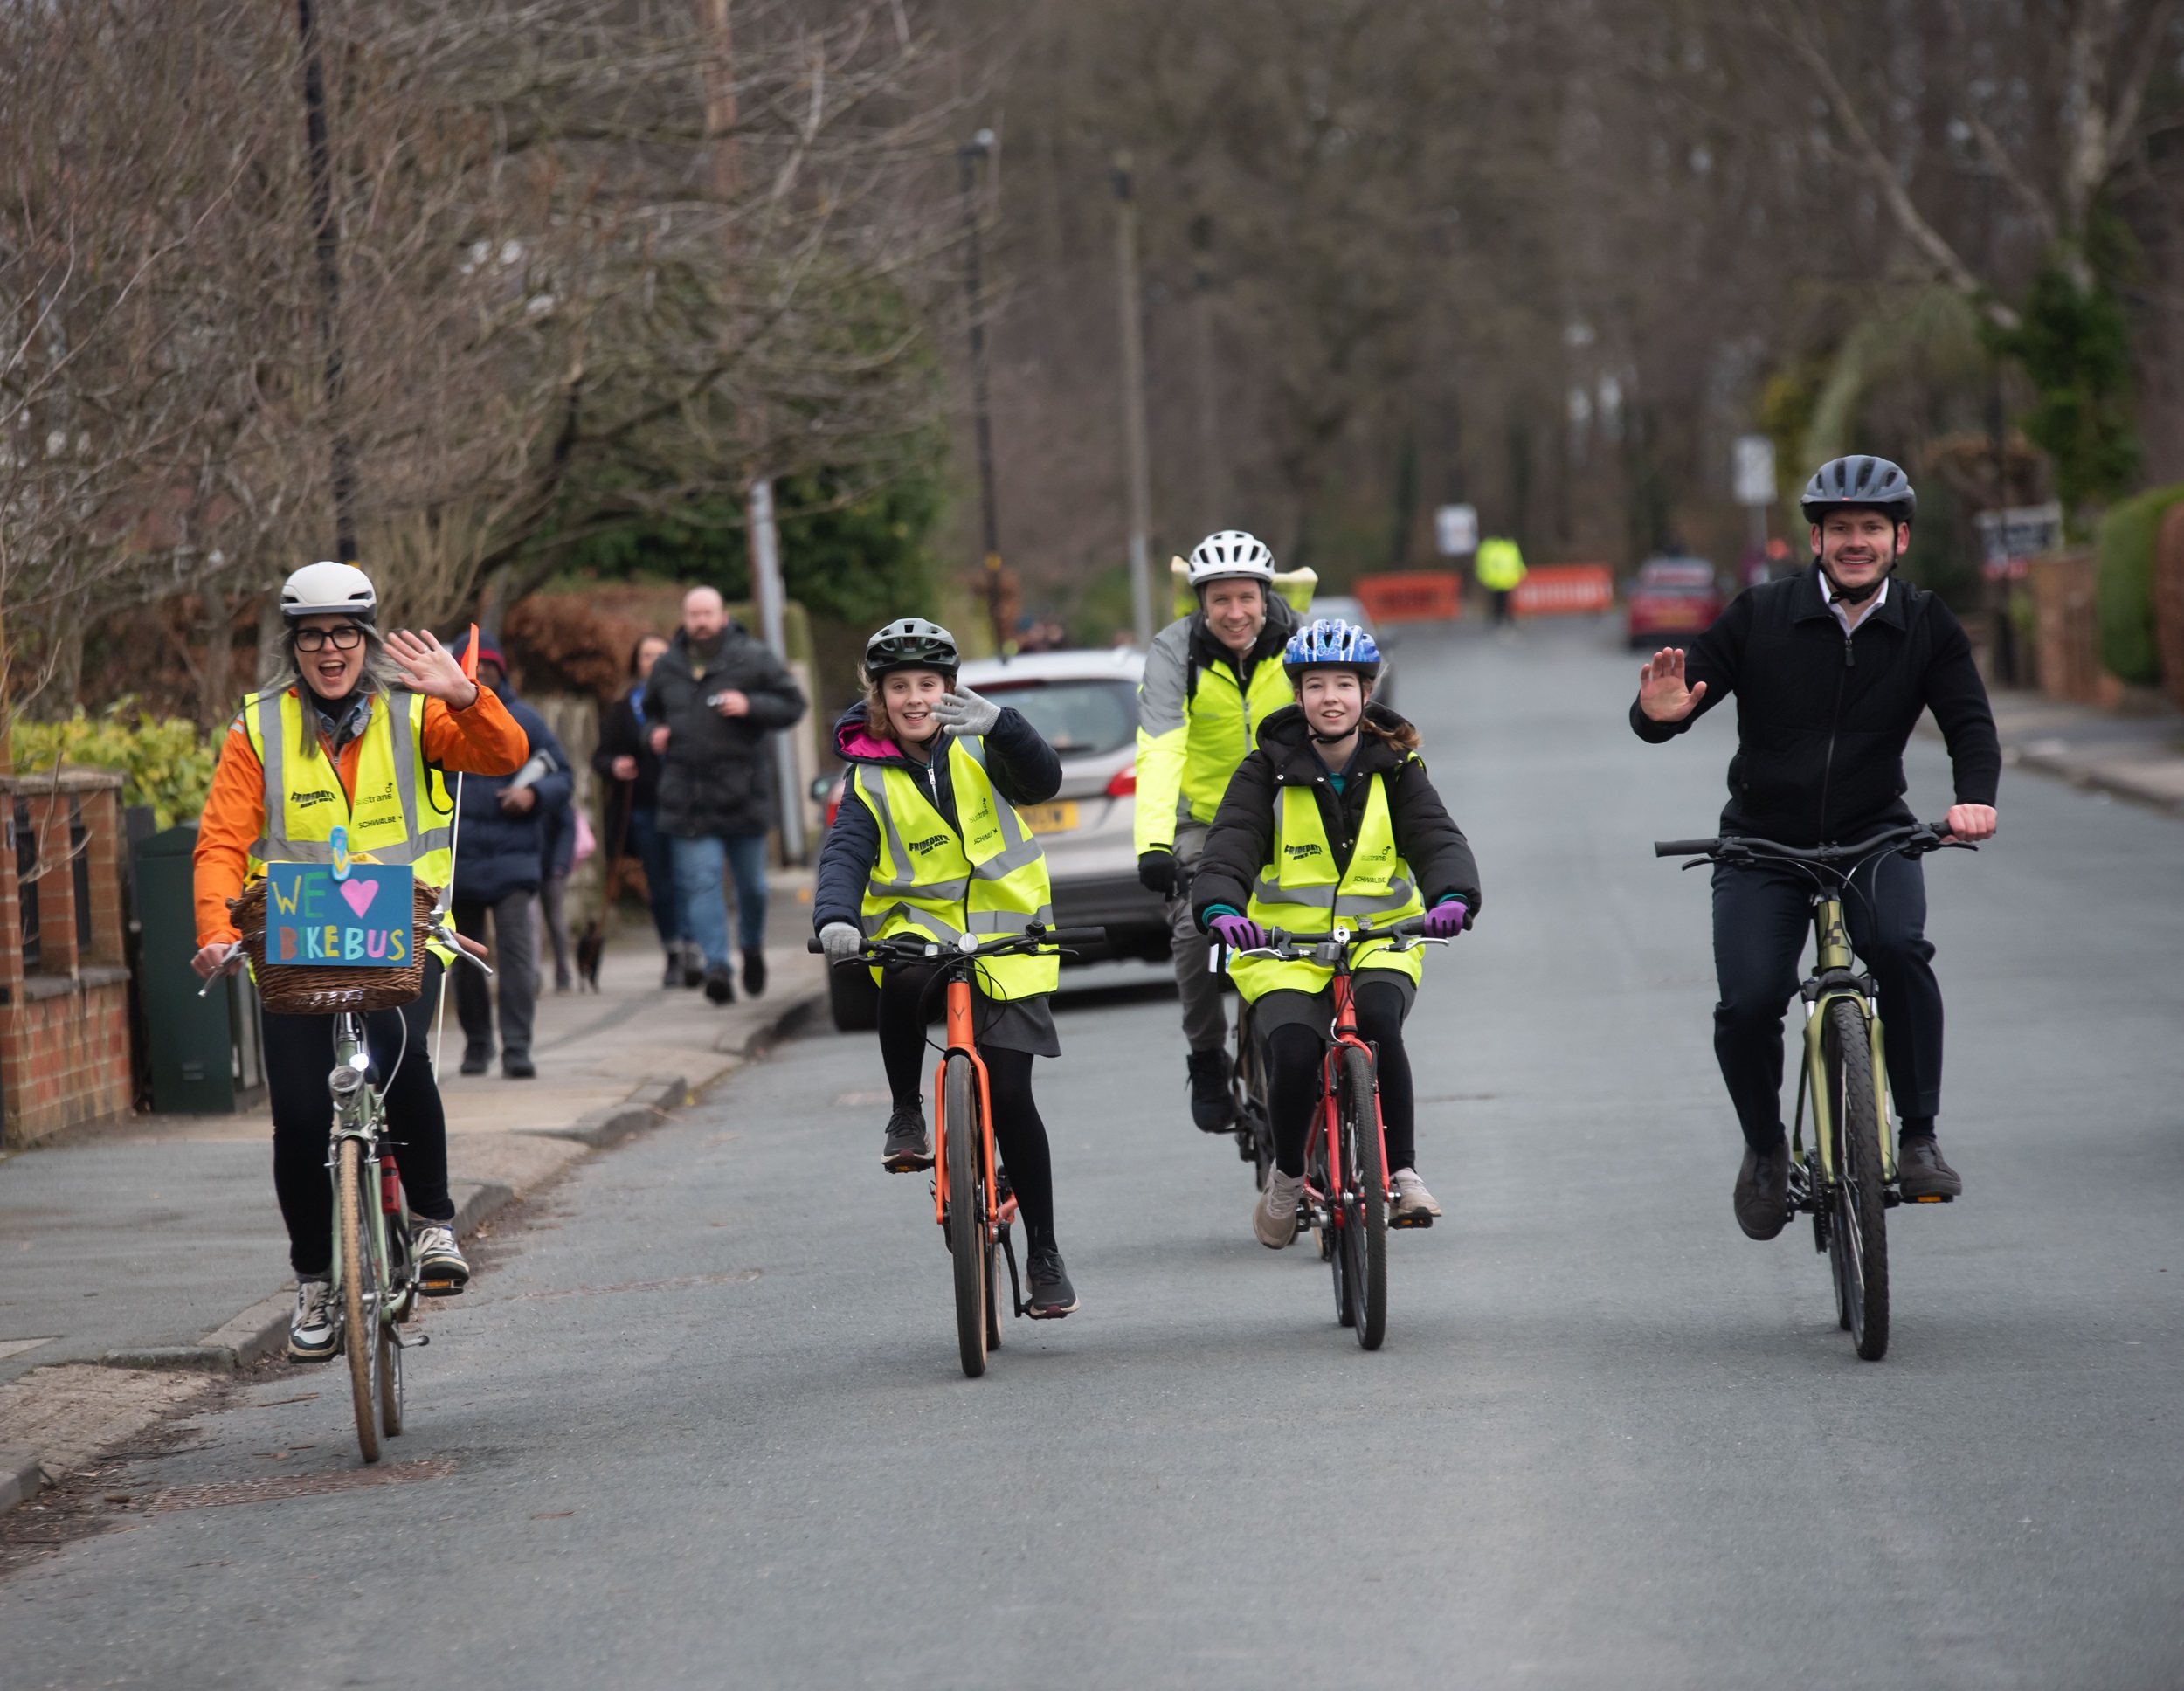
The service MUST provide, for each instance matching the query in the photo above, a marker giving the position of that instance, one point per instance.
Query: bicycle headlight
(966, 943)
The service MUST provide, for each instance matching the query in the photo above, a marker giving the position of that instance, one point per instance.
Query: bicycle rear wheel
(1365, 1220)
(360, 1290)
(1858, 1239)
(966, 1127)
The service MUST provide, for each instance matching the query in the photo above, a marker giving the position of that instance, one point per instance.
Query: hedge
(167, 763)
(2123, 592)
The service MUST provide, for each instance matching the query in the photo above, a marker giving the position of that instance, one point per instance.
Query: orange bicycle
(972, 1201)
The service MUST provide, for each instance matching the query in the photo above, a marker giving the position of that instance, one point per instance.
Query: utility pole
(967, 156)
(1134, 404)
(761, 537)
(328, 242)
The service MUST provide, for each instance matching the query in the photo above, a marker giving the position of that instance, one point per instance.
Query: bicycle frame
(962, 1038)
(1832, 979)
(1345, 1033)
(360, 1114)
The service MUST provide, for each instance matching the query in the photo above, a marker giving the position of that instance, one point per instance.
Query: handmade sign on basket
(319, 944)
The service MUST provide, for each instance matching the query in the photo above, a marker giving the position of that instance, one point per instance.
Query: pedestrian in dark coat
(500, 862)
(714, 699)
(625, 759)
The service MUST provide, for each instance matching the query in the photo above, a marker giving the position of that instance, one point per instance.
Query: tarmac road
(1610, 1443)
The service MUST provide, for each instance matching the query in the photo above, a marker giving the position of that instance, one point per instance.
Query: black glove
(1156, 872)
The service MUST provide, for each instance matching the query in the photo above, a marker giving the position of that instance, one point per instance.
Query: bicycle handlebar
(1920, 836)
(905, 947)
(1294, 947)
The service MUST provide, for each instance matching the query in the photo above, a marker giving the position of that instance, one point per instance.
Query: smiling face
(1333, 700)
(1235, 611)
(910, 695)
(330, 671)
(1855, 547)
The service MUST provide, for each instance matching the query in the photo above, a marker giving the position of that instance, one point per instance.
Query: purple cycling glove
(1445, 920)
(1238, 933)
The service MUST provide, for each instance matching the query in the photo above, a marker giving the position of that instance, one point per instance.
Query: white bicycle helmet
(320, 590)
(1228, 556)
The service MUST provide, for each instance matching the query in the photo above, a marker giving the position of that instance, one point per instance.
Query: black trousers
(299, 1056)
(1019, 1134)
(1762, 918)
(1294, 1050)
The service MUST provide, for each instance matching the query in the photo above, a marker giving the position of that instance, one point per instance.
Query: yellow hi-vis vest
(1300, 893)
(402, 813)
(1499, 565)
(930, 880)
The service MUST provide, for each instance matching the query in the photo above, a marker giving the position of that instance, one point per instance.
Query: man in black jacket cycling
(1831, 669)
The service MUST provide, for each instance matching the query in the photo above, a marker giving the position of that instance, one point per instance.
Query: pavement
(156, 1243)
(2140, 758)
(701, 1419)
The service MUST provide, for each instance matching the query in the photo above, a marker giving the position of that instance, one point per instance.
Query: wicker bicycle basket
(303, 988)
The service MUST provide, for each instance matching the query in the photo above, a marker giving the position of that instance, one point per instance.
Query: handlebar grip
(1684, 847)
(814, 947)
(1075, 936)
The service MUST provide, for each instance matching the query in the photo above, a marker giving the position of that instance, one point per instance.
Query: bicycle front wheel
(966, 1127)
(1366, 1218)
(1858, 1239)
(352, 1191)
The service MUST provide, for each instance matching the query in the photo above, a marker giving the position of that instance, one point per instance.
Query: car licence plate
(1058, 818)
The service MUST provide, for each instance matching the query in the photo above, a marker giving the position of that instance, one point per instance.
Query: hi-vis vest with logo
(1300, 893)
(401, 813)
(930, 880)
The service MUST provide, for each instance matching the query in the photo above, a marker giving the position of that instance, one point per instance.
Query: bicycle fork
(961, 1041)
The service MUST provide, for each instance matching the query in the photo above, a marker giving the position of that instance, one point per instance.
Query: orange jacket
(482, 740)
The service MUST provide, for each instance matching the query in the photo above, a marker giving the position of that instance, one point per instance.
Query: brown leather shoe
(1920, 1172)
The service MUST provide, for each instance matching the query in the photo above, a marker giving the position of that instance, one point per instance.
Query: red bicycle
(1346, 1196)
(972, 1201)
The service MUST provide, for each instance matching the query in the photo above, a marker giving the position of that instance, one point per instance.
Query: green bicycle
(1846, 1181)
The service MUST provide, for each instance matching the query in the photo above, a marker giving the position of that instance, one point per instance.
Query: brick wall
(64, 1031)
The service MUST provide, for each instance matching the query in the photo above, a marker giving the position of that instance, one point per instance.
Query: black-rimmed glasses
(347, 638)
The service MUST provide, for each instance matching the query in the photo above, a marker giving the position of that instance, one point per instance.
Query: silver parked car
(1085, 704)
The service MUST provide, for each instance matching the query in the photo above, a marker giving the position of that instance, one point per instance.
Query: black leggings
(1294, 1051)
(299, 1055)
(1020, 1137)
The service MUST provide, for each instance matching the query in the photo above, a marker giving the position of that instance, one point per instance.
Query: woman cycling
(352, 733)
(915, 848)
(1332, 815)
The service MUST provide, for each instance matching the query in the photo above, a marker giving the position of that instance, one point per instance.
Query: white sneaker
(1414, 1205)
(441, 1270)
(315, 1331)
(1274, 1217)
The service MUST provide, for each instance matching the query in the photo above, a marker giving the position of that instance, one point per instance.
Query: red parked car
(1671, 600)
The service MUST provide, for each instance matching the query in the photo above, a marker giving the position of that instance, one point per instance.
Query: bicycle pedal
(442, 1288)
(1931, 1197)
(1410, 1221)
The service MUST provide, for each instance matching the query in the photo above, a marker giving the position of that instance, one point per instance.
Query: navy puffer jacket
(499, 851)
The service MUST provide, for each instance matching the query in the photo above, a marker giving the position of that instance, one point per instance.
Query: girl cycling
(1332, 815)
(915, 849)
(352, 736)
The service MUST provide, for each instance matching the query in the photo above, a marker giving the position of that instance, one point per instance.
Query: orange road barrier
(1564, 589)
(1413, 596)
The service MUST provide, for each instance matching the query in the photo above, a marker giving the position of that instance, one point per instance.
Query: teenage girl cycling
(920, 846)
(1332, 816)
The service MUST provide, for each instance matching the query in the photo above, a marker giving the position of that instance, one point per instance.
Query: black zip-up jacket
(1822, 717)
(1241, 841)
(717, 778)
(1022, 766)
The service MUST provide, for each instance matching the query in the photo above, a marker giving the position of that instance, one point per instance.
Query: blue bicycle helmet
(1332, 645)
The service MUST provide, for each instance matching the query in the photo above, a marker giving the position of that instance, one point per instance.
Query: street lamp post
(1133, 446)
(981, 146)
(326, 232)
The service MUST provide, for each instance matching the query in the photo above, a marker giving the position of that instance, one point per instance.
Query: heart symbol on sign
(359, 893)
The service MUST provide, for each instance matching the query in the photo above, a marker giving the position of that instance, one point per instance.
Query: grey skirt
(1025, 1024)
(1284, 1008)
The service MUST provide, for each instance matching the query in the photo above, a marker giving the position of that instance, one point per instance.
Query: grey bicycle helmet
(1860, 482)
(912, 643)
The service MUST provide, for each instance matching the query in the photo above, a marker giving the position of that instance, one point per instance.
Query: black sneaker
(693, 964)
(477, 1059)
(1052, 1296)
(517, 1066)
(720, 986)
(909, 1146)
(1921, 1175)
(1209, 1091)
(1763, 1192)
(754, 974)
(672, 974)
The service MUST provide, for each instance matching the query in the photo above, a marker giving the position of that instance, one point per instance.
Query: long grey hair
(381, 674)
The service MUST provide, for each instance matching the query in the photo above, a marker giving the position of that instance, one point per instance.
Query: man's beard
(1838, 594)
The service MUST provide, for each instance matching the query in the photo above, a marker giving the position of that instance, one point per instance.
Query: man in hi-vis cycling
(1210, 679)
(1831, 668)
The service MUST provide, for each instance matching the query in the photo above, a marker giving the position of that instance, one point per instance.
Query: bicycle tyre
(966, 1241)
(1366, 1233)
(360, 1305)
(1858, 1240)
